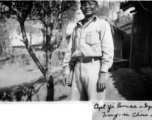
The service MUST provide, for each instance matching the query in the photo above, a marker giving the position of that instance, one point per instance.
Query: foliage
(130, 84)
(3, 30)
(4, 36)
(123, 19)
(17, 60)
(108, 10)
(49, 13)
(1, 16)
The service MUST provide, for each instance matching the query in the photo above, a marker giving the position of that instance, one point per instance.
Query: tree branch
(26, 13)
(30, 50)
(32, 19)
(14, 18)
(15, 12)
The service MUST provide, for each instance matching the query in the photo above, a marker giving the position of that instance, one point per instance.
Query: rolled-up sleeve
(67, 56)
(107, 47)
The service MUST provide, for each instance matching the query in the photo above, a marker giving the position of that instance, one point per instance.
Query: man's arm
(107, 56)
(107, 47)
(66, 65)
(67, 57)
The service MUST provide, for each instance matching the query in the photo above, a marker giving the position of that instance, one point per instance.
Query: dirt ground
(14, 76)
(24, 73)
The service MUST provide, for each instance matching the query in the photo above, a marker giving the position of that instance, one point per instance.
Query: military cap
(90, 0)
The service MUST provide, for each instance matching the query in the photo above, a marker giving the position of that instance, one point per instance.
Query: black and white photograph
(75, 50)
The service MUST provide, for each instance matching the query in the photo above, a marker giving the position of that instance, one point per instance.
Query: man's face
(88, 7)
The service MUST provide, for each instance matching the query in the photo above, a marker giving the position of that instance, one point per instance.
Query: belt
(87, 59)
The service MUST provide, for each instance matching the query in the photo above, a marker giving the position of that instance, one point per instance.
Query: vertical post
(131, 45)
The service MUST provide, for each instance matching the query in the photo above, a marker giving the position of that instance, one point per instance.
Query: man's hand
(77, 54)
(66, 80)
(101, 83)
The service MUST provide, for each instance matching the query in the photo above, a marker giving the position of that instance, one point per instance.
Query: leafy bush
(129, 84)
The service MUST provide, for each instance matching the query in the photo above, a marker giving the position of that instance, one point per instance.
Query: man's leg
(91, 86)
(78, 91)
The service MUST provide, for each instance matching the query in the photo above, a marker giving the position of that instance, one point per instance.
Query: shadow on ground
(38, 90)
(123, 84)
(22, 92)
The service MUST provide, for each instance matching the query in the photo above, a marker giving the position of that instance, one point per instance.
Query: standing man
(90, 55)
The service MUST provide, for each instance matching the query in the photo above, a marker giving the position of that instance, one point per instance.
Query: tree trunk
(48, 63)
(45, 71)
(30, 50)
(48, 75)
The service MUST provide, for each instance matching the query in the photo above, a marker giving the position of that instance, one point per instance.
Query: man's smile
(87, 11)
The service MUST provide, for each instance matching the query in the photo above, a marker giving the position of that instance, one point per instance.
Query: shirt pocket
(92, 38)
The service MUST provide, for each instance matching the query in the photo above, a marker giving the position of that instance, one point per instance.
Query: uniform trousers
(84, 82)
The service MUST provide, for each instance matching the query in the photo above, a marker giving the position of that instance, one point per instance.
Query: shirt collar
(94, 20)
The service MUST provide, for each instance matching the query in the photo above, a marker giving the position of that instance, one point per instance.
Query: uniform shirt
(93, 39)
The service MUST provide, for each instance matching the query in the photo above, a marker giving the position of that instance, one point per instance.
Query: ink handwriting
(132, 110)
